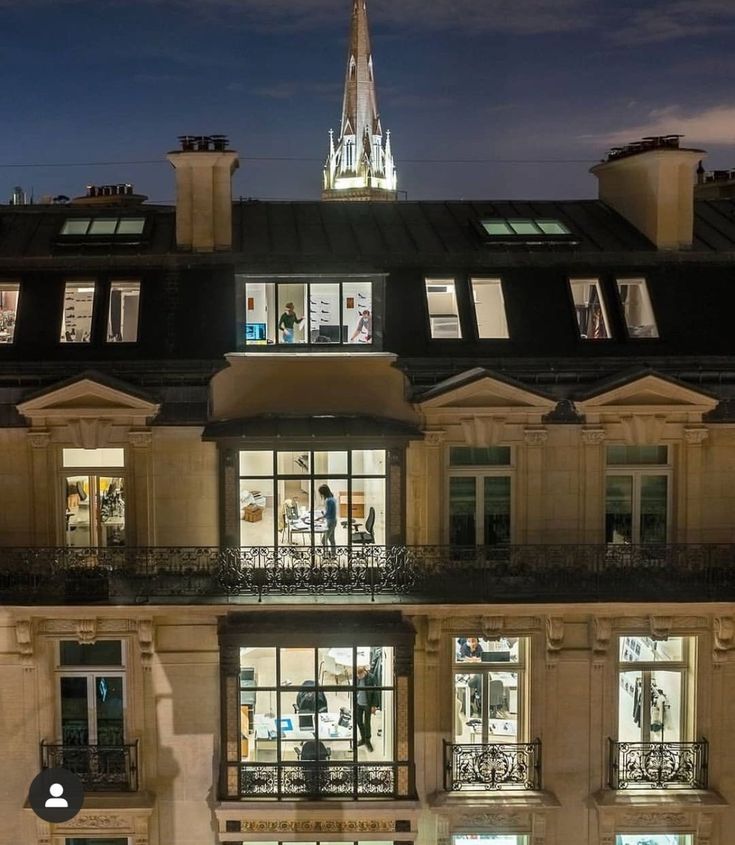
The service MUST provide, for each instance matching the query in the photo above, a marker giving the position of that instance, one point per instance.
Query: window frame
(110, 286)
(642, 282)
(79, 282)
(102, 237)
(597, 282)
(12, 285)
(96, 471)
(497, 281)
(442, 280)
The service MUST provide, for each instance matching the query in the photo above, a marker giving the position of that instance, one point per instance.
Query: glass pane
(441, 299)
(295, 511)
(325, 322)
(74, 711)
(653, 839)
(112, 511)
(639, 316)
(103, 226)
(489, 308)
(524, 227)
(667, 689)
(619, 509)
(78, 525)
(75, 227)
(330, 463)
(109, 701)
(502, 707)
(256, 463)
(590, 309)
(101, 653)
(130, 226)
(257, 512)
(122, 319)
(293, 463)
(469, 649)
(260, 313)
(477, 648)
(479, 456)
(630, 707)
(647, 650)
(298, 669)
(76, 320)
(496, 510)
(637, 455)
(79, 458)
(468, 692)
(293, 326)
(367, 511)
(552, 227)
(497, 227)
(368, 462)
(462, 511)
(9, 294)
(654, 499)
(357, 311)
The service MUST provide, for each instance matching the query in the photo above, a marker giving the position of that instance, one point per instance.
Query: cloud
(669, 20)
(713, 125)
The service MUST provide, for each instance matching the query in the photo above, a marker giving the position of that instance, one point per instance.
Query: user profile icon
(56, 795)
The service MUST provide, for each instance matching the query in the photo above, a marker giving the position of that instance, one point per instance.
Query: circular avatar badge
(56, 795)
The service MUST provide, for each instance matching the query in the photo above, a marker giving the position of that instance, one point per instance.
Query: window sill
(507, 798)
(653, 798)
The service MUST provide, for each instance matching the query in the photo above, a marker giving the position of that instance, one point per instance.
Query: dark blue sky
(99, 80)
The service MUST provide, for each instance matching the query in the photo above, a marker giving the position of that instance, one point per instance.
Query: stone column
(140, 477)
(690, 522)
(433, 523)
(535, 439)
(44, 484)
(592, 485)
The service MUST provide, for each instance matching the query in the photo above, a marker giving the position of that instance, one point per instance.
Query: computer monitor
(495, 656)
(255, 332)
(306, 721)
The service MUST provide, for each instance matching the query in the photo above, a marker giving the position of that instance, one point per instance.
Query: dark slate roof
(340, 427)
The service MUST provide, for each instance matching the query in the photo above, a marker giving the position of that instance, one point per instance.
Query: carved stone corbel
(696, 435)
(434, 437)
(433, 635)
(146, 634)
(535, 436)
(705, 824)
(554, 639)
(593, 436)
(86, 630)
(24, 638)
(660, 627)
(723, 638)
(600, 636)
(539, 829)
(492, 627)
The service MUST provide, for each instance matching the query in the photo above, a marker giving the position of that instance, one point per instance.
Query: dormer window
(441, 299)
(9, 295)
(640, 321)
(590, 310)
(501, 227)
(76, 319)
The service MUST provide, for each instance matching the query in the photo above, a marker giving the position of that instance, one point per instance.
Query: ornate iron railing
(101, 768)
(315, 780)
(658, 765)
(475, 574)
(506, 765)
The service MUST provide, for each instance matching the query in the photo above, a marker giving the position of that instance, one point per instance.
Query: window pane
(257, 512)
(619, 509)
(590, 309)
(639, 316)
(332, 463)
(294, 463)
(497, 227)
(76, 320)
(101, 653)
(496, 510)
(295, 511)
(647, 650)
(654, 499)
(489, 308)
(502, 706)
(524, 227)
(324, 314)
(357, 311)
(462, 511)
(293, 327)
(109, 704)
(329, 529)
(468, 691)
(479, 456)
(637, 455)
(368, 462)
(112, 511)
(630, 707)
(443, 312)
(260, 313)
(75, 227)
(367, 510)
(93, 457)
(122, 319)
(74, 711)
(256, 463)
(9, 294)
(477, 648)
(78, 524)
(131, 226)
(103, 226)
(552, 227)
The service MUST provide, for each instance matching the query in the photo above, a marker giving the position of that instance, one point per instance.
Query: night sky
(538, 80)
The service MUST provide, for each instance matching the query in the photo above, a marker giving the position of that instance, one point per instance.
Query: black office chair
(314, 755)
(308, 700)
(368, 535)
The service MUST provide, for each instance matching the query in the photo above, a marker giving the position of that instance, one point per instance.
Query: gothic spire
(360, 165)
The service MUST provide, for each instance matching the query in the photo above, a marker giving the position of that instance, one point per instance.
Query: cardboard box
(252, 513)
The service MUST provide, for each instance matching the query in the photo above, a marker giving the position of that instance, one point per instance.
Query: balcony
(658, 765)
(467, 575)
(317, 780)
(101, 768)
(492, 765)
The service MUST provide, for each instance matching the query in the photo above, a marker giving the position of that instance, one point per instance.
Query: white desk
(329, 731)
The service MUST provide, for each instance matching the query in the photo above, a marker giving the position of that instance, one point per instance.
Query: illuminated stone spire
(360, 164)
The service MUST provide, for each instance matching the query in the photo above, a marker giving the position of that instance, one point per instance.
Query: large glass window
(94, 497)
(489, 685)
(293, 312)
(490, 839)
(590, 310)
(441, 299)
(487, 295)
(304, 497)
(76, 318)
(637, 494)
(111, 226)
(9, 295)
(655, 688)
(479, 496)
(639, 317)
(653, 839)
(122, 317)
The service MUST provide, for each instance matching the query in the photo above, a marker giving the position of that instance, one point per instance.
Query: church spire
(360, 164)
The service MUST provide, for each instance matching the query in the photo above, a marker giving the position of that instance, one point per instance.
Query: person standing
(288, 322)
(367, 704)
(330, 517)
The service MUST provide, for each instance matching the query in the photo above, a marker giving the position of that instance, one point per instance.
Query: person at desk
(364, 327)
(470, 649)
(367, 704)
(288, 322)
(330, 517)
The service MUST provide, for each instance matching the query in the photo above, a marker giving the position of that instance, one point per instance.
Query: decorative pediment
(480, 390)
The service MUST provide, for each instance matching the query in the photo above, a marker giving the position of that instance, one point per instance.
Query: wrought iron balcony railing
(493, 765)
(658, 765)
(466, 574)
(101, 768)
(316, 780)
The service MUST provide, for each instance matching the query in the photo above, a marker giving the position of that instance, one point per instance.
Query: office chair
(368, 535)
(308, 700)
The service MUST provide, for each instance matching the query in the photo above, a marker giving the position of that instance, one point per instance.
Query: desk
(303, 526)
(329, 730)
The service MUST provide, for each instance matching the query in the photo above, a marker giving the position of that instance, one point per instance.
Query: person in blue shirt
(330, 516)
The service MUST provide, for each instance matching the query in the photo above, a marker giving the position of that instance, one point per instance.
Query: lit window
(130, 226)
(552, 227)
(102, 226)
(519, 228)
(637, 495)
(122, 319)
(639, 317)
(524, 227)
(441, 298)
(489, 308)
(94, 501)
(9, 295)
(590, 309)
(76, 226)
(76, 319)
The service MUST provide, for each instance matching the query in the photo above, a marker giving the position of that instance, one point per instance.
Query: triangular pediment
(480, 389)
(649, 393)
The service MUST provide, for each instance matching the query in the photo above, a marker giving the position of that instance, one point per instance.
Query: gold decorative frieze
(317, 826)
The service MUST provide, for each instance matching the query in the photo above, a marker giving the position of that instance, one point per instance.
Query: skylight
(88, 227)
(519, 228)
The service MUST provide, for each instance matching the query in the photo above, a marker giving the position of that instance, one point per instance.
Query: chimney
(651, 183)
(204, 168)
(110, 195)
